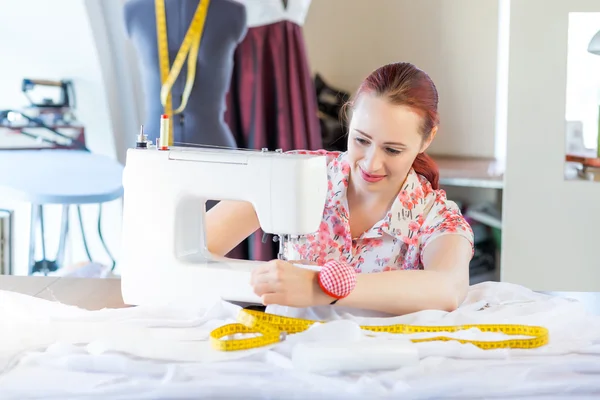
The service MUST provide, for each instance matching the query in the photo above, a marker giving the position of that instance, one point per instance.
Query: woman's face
(384, 139)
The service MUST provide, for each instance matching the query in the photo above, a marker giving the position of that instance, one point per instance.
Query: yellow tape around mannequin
(189, 49)
(273, 328)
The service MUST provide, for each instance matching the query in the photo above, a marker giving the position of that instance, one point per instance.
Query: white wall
(550, 225)
(455, 41)
(53, 40)
(62, 39)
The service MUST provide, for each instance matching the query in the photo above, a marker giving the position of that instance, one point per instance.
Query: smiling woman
(389, 240)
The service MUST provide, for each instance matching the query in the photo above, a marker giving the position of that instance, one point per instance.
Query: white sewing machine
(164, 257)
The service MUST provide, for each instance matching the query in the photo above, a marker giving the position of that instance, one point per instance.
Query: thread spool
(164, 132)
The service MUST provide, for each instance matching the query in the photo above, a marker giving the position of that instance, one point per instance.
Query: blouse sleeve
(444, 218)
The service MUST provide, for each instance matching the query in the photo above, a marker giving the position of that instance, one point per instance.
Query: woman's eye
(361, 140)
(393, 151)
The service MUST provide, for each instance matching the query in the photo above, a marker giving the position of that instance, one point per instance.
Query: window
(583, 77)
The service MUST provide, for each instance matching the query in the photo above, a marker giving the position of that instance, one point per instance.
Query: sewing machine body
(164, 257)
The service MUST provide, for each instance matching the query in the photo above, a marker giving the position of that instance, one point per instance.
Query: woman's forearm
(403, 292)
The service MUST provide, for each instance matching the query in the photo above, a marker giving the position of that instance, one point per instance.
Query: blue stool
(67, 177)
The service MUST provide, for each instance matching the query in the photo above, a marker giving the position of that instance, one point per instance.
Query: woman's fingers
(267, 286)
(273, 298)
(264, 269)
(266, 278)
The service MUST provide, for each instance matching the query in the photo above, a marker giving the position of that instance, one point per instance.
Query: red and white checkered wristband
(337, 279)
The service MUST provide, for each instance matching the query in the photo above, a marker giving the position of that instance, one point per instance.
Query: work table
(95, 294)
(87, 293)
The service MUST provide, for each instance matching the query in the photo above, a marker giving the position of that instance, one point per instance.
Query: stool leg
(6, 243)
(64, 230)
(33, 235)
(44, 265)
(85, 245)
(42, 232)
(114, 262)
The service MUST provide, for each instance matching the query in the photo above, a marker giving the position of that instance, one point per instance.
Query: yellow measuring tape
(189, 48)
(273, 329)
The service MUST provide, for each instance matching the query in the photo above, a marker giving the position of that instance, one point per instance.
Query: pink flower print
(368, 246)
(448, 228)
(332, 244)
(339, 229)
(375, 243)
(389, 268)
(324, 232)
(358, 262)
(347, 257)
(329, 186)
(418, 194)
(413, 226)
(348, 241)
(318, 246)
(302, 249)
(411, 241)
(382, 261)
(403, 196)
(346, 169)
(420, 219)
(322, 257)
(385, 225)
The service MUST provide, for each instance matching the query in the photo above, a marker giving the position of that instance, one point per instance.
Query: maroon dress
(272, 101)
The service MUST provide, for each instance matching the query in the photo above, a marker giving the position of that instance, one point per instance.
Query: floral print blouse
(418, 215)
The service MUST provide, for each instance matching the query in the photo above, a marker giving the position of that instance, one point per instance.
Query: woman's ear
(427, 142)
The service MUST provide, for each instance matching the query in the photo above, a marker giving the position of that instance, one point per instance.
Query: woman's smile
(370, 178)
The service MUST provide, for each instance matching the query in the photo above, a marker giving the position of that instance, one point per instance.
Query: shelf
(470, 172)
(586, 161)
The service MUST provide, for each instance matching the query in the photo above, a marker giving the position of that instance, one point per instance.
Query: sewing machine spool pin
(142, 142)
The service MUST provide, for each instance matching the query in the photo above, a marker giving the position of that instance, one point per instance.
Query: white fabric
(53, 351)
(264, 12)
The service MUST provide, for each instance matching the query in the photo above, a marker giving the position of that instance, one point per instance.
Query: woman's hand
(280, 282)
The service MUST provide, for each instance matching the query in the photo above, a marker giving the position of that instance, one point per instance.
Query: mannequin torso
(202, 121)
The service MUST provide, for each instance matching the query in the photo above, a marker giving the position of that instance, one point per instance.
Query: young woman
(389, 240)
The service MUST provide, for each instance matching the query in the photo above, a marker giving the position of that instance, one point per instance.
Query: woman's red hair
(405, 84)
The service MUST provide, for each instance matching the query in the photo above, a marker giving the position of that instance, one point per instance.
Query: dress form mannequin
(202, 122)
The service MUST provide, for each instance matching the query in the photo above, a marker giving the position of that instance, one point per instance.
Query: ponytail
(424, 165)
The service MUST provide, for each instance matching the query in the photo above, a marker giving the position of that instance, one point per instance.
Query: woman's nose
(373, 161)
